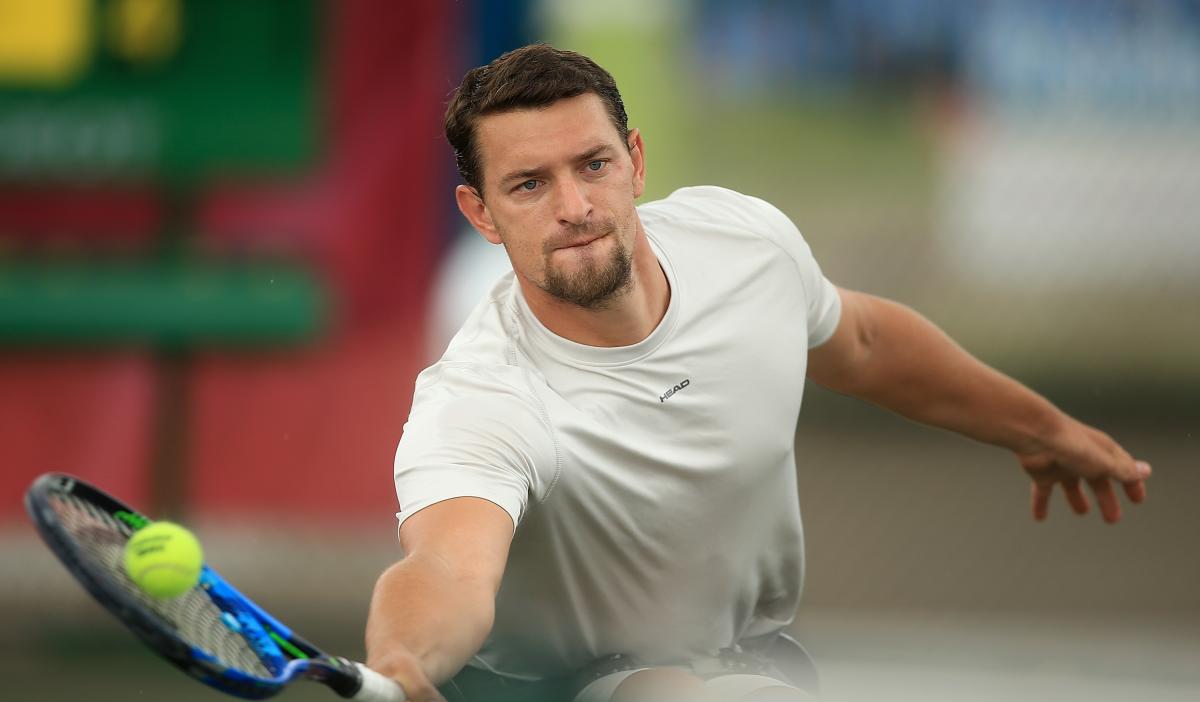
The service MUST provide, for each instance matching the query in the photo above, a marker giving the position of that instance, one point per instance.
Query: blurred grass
(819, 157)
(860, 173)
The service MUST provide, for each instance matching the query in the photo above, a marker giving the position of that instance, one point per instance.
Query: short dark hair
(532, 76)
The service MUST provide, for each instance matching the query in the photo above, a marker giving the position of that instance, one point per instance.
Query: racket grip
(377, 688)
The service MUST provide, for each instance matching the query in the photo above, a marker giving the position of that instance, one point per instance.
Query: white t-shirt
(653, 486)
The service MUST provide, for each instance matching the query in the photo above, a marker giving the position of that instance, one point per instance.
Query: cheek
(522, 244)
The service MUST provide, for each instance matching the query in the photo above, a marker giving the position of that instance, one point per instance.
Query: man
(597, 481)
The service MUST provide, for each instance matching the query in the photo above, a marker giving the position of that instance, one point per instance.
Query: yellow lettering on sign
(144, 31)
(44, 42)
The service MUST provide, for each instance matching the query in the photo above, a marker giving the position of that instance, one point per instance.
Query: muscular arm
(888, 354)
(432, 610)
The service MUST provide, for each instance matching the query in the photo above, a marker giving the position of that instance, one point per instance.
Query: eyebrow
(527, 173)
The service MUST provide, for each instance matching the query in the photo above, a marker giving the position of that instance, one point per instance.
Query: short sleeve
(472, 439)
(824, 310)
(823, 303)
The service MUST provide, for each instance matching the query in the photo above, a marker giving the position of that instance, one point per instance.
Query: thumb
(405, 671)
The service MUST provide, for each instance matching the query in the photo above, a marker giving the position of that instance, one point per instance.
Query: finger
(1106, 499)
(406, 671)
(421, 691)
(1137, 487)
(1144, 469)
(1136, 491)
(1129, 470)
(1075, 496)
(1041, 499)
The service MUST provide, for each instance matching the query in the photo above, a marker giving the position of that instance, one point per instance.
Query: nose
(573, 204)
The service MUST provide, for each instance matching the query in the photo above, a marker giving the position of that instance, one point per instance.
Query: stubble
(596, 283)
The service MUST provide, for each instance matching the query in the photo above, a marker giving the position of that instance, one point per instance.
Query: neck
(629, 317)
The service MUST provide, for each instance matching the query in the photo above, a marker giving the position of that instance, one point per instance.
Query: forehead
(536, 137)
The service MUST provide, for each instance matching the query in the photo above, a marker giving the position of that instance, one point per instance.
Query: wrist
(1042, 429)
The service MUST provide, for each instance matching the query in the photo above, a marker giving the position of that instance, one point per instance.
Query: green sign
(140, 89)
(162, 303)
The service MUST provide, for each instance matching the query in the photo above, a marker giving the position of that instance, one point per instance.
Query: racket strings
(100, 540)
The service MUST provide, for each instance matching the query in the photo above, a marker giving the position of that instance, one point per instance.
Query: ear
(637, 152)
(472, 206)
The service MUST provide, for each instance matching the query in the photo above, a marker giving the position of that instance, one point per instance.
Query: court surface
(926, 581)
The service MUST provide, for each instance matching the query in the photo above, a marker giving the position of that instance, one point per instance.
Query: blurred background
(228, 243)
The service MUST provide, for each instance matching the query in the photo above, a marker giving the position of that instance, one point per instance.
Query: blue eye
(528, 185)
(595, 165)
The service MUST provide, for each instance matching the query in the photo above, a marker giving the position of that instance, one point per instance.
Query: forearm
(911, 367)
(421, 608)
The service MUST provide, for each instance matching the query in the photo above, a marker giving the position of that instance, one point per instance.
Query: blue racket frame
(284, 653)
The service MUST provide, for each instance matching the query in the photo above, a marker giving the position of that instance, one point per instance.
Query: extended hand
(1078, 453)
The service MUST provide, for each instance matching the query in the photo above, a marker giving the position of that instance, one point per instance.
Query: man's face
(558, 191)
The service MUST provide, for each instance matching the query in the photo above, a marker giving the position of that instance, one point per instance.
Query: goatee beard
(597, 284)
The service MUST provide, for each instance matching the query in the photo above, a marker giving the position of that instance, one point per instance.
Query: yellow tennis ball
(163, 559)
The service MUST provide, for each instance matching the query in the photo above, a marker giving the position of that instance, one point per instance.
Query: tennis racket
(212, 632)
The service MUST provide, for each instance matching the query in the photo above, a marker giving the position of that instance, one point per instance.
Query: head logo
(136, 521)
(682, 384)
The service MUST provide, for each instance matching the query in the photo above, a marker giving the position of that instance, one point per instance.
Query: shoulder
(475, 431)
(729, 216)
(473, 392)
(475, 414)
(486, 335)
(448, 379)
(716, 205)
(482, 382)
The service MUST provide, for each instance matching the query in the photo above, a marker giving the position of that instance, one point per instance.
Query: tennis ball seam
(178, 568)
(164, 560)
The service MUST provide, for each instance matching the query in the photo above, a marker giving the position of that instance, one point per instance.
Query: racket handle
(377, 688)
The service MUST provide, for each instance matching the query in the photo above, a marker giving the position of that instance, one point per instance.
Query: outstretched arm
(432, 611)
(888, 354)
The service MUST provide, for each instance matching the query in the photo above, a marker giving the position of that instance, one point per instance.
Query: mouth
(582, 241)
